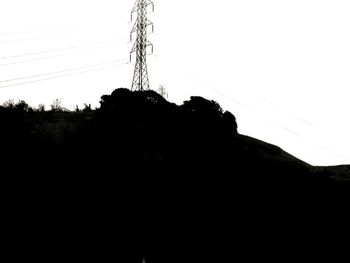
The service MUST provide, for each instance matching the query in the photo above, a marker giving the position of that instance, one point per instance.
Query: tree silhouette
(229, 121)
(208, 108)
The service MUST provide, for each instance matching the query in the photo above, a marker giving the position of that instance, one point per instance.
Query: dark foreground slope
(142, 176)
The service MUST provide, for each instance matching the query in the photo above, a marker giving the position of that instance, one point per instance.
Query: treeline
(128, 127)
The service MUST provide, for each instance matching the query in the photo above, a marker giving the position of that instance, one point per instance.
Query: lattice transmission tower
(140, 80)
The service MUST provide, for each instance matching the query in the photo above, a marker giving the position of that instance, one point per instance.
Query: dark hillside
(130, 178)
(143, 133)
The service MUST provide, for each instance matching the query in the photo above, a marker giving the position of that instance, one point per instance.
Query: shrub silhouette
(229, 121)
(203, 106)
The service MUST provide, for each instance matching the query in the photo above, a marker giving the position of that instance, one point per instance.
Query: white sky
(281, 66)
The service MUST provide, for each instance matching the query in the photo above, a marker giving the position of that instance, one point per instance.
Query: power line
(249, 110)
(300, 119)
(37, 30)
(65, 75)
(216, 91)
(61, 49)
(63, 71)
(54, 56)
(43, 36)
(37, 37)
(277, 124)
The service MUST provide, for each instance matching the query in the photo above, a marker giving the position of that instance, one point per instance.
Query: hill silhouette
(142, 132)
(141, 168)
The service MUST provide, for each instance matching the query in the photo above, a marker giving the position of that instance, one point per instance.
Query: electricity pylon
(140, 80)
(161, 90)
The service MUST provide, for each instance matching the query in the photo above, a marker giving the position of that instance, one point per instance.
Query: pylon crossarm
(150, 23)
(134, 48)
(149, 2)
(137, 6)
(135, 28)
(149, 44)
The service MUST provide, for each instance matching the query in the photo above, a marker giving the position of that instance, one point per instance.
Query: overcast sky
(281, 66)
